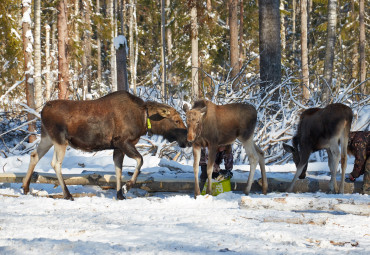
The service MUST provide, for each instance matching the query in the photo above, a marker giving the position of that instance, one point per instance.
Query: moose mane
(200, 104)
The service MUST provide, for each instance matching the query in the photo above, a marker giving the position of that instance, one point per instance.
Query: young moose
(211, 126)
(322, 128)
(115, 121)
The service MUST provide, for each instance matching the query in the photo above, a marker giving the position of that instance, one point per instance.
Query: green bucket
(218, 187)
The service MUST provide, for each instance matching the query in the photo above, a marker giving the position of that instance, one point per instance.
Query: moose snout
(191, 137)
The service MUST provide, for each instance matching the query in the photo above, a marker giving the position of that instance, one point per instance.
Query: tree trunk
(304, 53)
(98, 45)
(234, 50)
(282, 28)
(209, 5)
(169, 43)
(163, 51)
(294, 13)
(122, 82)
(47, 63)
(76, 64)
(194, 51)
(28, 65)
(113, 64)
(354, 63)
(364, 88)
(54, 49)
(87, 46)
(63, 76)
(241, 35)
(131, 48)
(121, 53)
(269, 44)
(37, 57)
(136, 46)
(329, 53)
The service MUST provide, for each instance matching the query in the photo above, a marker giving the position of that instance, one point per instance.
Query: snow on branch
(10, 89)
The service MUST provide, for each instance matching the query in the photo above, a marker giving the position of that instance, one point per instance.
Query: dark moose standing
(210, 125)
(115, 121)
(322, 128)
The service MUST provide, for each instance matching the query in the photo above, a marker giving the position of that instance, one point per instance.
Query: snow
(120, 40)
(175, 223)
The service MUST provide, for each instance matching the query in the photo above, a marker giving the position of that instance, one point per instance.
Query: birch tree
(47, 63)
(304, 52)
(63, 67)
(163, 50)
(136, 47)
(241, 34)
(194, 50)
(131, 47)
(76, 40)
(28, 65)
(37, 56)
(329, 51)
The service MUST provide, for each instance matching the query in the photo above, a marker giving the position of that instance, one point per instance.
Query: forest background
(281, 56)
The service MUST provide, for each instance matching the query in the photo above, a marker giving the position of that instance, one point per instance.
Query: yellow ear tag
(149, 124)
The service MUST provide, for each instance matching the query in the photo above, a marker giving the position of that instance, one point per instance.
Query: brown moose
(322, 128)
(214, 125)
(115, 121)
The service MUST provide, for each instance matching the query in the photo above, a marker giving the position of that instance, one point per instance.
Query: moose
(115, 121)
(210, 125)
(322, 128)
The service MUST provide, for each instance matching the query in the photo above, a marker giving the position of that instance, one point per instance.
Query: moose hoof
(120, 195)
(69, 197)
(26, 190)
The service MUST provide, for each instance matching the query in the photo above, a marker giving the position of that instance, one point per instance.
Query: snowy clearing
(175, 223)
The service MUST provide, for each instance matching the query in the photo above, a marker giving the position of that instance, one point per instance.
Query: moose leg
(59, 153)
(253, 159)
(118, 161)
(333, 160)
(36, 155)
(343, 160)
(196, 153)
(129, 149)
(304, 155)
(261, 161)
(212, 151)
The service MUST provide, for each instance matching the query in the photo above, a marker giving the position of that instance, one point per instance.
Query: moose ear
(288, 148)
(203, 110)
(185, 107)
(164, 112)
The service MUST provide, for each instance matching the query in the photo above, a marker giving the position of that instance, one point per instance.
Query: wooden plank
(152, 183)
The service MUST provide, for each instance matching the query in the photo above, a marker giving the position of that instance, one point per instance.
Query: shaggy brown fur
(115, 121)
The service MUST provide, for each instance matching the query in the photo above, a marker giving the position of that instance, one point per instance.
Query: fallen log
(307, 204)
(152, 182)
(55, 196)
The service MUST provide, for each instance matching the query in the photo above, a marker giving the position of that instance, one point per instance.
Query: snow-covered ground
(175, 223)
